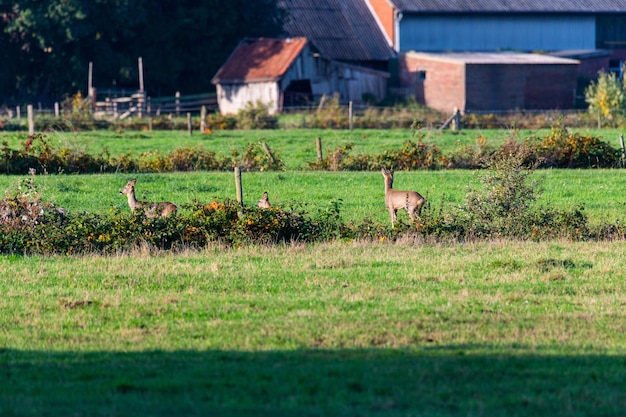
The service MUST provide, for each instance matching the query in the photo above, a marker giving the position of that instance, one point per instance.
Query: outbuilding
(290, 72)
(478, 82)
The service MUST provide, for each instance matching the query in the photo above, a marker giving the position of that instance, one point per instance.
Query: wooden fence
(121, 105)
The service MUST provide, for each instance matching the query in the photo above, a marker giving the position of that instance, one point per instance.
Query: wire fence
(119, 105)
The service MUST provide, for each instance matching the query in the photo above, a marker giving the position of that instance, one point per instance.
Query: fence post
(238, 189)
(18, 113)
(31, 119)
(202, 119)
(621, 143)
(456, 125)
(350, 114)
(318, 143)
(189, 127)
(56, 109)
(268, 152)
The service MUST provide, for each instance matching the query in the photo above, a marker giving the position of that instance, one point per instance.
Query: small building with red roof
(288, 72)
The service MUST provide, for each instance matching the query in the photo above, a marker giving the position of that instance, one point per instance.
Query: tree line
(46, 46)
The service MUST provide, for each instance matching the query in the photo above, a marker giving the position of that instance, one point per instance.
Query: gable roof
(260, 59)
(503, 6)
(342, 30)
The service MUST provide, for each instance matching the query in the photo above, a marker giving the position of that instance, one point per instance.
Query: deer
(264, 202)
(150, 209)
(411, 201)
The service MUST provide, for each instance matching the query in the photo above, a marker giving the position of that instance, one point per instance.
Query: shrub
(38, 155)
(330, 114)
(563, 149)
(256, 116)
(606, 97)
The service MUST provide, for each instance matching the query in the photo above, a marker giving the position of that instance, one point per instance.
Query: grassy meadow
(602, 193)
(296, 147)
(493, 329)
(499, 328)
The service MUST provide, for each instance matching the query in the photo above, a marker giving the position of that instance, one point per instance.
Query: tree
(606, 97)
(49, 44)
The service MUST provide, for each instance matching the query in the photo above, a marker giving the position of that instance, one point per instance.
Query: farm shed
(342, 30)
(290, 72)
(473, 82)
(491, 25)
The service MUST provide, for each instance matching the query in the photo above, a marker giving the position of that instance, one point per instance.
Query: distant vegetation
(47, 45)
(558, 149)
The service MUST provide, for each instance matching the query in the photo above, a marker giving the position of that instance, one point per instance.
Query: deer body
(264, 202)
(411, 201)
(150, 209)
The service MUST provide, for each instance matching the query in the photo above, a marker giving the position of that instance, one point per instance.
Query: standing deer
(411, 201)
(264, 202)
(150, 209)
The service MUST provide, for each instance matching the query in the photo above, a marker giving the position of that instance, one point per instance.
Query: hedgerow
(500, 206)
(37, 155)
(558, 149)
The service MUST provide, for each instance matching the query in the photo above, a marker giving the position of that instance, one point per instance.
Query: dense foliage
(38, 156)
(47, 45)
(501, 205)
(558, 149)
(606, 98)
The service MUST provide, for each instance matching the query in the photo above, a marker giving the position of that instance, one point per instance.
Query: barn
(342, 30)
(492, 25)
(475, 82)
(284, 72)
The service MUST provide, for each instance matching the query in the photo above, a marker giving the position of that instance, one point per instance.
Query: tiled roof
(343, 30)
(502, 6)
(260, 59)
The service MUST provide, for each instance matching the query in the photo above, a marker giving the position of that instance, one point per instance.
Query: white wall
(233, 97)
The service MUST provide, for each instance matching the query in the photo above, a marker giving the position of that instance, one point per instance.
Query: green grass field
(339, 329)
(602, 193)
(296, 147)
(493, 329)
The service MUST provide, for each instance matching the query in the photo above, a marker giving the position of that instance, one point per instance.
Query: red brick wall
(444, 86)
(520, 86)
(475, 87)
(589, 67)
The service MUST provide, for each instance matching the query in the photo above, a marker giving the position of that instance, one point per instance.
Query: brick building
(474, 82)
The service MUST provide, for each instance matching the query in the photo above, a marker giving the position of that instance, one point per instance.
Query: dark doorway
(298, 94)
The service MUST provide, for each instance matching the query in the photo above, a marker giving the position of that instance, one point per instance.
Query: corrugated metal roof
(260, 59)
(495, 58)
(343, 30)
(503, 6)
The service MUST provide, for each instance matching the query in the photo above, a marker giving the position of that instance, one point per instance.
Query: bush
(606, 97)
(38, 156)
(256, 116)
(563, 149)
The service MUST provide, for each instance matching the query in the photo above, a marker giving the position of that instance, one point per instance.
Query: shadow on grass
(426, 382)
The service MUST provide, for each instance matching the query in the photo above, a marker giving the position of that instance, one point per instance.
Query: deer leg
(411, 212)
(392, 214)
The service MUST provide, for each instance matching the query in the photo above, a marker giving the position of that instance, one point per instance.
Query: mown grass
(602, 193)
(358, 328)
(348, 328)
(296, 147)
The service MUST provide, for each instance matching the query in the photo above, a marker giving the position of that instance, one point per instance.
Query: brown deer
(411, 201)
(264, 202)
(150, 209)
